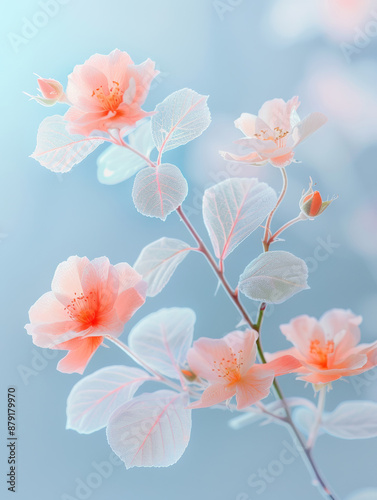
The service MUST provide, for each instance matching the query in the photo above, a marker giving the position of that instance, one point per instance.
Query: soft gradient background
(241, 53)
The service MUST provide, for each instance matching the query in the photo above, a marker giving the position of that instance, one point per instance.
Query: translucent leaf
(352, 420)
(58, 150)
(163, 338)
(158, 261)
(159, 191)
(95, 397)
(275, 407)
(274, 277)
(233, 209)
(151, 430)
(180, 118)
(116, 163)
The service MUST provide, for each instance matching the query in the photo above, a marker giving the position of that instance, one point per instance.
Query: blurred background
(240, 53)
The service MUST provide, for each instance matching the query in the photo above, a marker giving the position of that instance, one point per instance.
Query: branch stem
(267, 231)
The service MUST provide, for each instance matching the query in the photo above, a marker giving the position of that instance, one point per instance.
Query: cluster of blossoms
(90, 302)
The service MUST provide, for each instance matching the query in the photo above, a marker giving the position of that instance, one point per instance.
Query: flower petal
(301, 331)
(254, 386)
(205, 356)
(75, 361)
(214, 394)
(308, 126)
(277, 112)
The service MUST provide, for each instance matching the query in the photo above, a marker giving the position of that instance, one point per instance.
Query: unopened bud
(52, 92)
(311, 203)
(189, 375)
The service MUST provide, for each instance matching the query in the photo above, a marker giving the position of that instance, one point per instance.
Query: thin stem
(121, 142)
(309, 462)
(288, 224)
(233, 294)
(142, 363)
(317, 423)
(267, 230)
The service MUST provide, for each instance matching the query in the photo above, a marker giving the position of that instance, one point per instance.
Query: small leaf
(95, 397)
(274, 277)
(275, 407)
(158, 261)
(58, 150)
(180, 118)
(233, 209)
(163, 338)
(117, 163)
(151, 430)
(352, 420)
(159, 191)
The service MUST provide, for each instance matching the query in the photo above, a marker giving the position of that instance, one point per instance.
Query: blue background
(241, 53)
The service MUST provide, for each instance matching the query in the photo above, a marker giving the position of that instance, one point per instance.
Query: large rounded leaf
(152, 430)
(352, 420)
(274, 277)
(163, 338)
(158, 261)
(179, 118)
(233, 209)
(159, 191)
(95, 397)
(58, 150)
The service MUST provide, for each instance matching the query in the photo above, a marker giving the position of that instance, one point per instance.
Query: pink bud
(311, 203)
(50, 89)
(52, 92)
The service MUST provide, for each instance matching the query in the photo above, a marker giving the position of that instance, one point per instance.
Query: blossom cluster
(91, 301)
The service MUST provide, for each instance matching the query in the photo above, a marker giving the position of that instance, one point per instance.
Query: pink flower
(228, 365)
(89, 300)
(107, 92)
(52, 92)
(328, 349)
(272, 135)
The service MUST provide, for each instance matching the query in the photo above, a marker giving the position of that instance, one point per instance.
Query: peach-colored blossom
(228, 365)
(51, 92)
(272, 135)
(89, 299)
(329, 348)
(107, 91)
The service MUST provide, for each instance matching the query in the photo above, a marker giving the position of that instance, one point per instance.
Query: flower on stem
(329, 348)
(106, 92)
(311, 203)
(228, 365)
(272, 135)
(89, 299)
(52, 92)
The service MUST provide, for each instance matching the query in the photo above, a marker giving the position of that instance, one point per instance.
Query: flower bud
(189, 375)
(311, 203)
(52, 92)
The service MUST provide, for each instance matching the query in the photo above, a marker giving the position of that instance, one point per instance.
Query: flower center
(111, 101)
(83, 308)
(229, 369)
(321, 352)
(278, 134)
